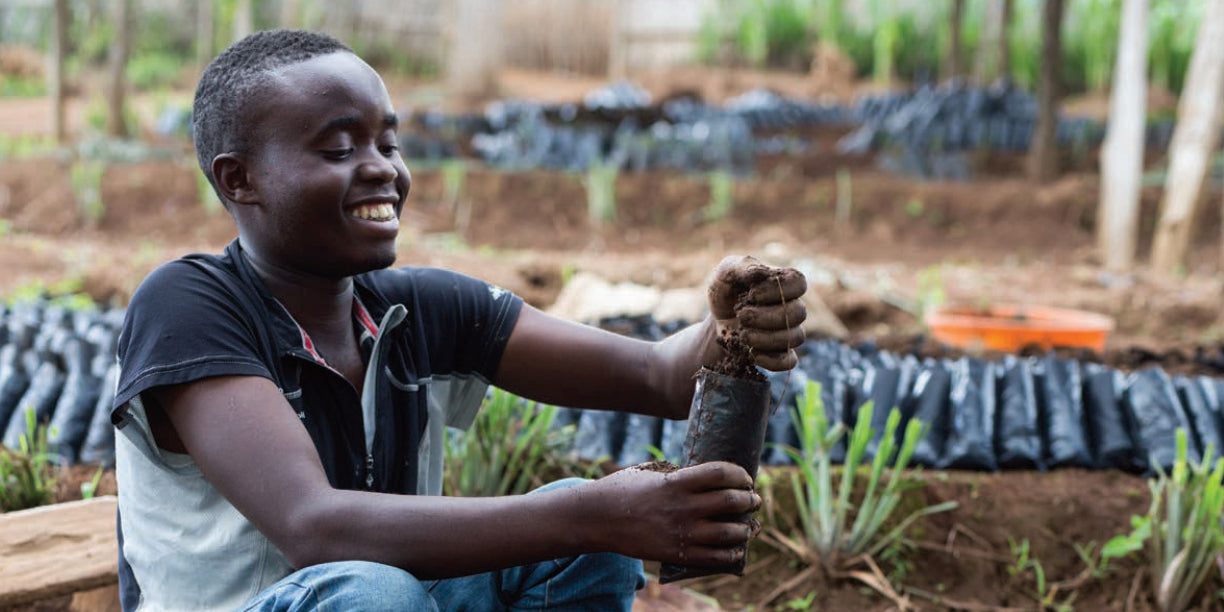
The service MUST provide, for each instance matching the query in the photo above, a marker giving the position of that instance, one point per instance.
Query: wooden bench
(61, 550)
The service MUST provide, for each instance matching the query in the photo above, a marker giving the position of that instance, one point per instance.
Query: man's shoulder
(191, 279)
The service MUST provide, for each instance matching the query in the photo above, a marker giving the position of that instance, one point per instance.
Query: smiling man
(281, 406)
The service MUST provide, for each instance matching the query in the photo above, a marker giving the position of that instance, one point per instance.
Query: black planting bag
(1157, 414)
(1017, 436)
(928, 402)
(727, 422)
(44, 390)
(970, 443)
(1110, 431)
(1061, 411)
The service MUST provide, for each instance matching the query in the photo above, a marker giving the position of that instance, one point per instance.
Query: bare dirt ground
(995, 239)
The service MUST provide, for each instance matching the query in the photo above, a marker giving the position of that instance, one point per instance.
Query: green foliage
(600, 186)
(90, 489)
(27, 474)
(86, 178)
(155, 70)
(13, 86)
(25, 146)
(722, 195)
(762, 33)
(826, 534)
(510, 449)
(1181, 531)
(66, 293)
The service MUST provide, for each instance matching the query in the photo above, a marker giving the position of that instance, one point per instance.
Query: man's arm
(251, 446)
(559, 362)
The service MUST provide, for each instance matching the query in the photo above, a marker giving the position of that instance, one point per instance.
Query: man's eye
(337, 154)
(388, 149)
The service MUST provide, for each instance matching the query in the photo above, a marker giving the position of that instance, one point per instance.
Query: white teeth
(374, 212)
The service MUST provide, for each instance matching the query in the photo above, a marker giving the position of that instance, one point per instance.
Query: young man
(281, 406)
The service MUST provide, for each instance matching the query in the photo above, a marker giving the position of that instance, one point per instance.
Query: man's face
(326, 169)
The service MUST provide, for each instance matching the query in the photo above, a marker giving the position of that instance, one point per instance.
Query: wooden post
(1198, 128)
(475, 49)
(55, 72)
(1005, 18)
(116, 123)
(954, 46)
(205, 25)
(1122, 152)
(1043, 150)
(244, 24)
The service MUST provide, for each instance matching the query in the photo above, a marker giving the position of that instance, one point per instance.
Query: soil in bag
(1017, 437)
(1110, 432)
(1157, 414)
(970, 443)
(1060, 408)
(727, 422)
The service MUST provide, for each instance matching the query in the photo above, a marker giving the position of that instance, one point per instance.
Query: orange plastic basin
(1010, 327)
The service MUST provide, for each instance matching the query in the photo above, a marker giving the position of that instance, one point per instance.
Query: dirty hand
(680, 516)
(761, 305)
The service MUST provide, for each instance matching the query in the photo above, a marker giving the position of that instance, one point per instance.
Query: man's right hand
(678, 517)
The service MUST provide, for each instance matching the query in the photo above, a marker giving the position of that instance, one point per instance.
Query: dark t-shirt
(207, 315)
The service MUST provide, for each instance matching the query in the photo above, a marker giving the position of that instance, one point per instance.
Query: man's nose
(377, 167)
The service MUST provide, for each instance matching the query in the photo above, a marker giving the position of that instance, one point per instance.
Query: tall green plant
(1182, 530)
(827, 538)
(510, 449)
(27, 473)
(601, 193)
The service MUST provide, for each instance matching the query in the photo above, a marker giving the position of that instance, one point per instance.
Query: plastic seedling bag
(1110, 432)
(928, 402)
(1157, 413)
(727, 422)
(99, 444)
(1061, 409)
(44, 390)
(1206, 421)
(75, 407)
(13, 382)
(1018, 439)
(641, 434)
(970, 443)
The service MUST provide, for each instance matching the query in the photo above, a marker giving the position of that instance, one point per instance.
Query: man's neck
(321, 305)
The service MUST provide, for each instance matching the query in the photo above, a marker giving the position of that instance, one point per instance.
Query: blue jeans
(600, 581)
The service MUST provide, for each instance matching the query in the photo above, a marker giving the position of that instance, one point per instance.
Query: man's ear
(233, 180)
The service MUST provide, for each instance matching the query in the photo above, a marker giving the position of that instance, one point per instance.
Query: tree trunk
(291, 14)
(1122, 152)
(116, 123)
(55, 72)
(244, 23)
(205, 24)
(1005, 18)
(987, 65)
(1043, 151)
(1195, 136)
(954, 45)
(475, 48)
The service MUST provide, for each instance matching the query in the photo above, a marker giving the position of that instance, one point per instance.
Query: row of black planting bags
(59, 362)
(620, 125)
(1015, 413)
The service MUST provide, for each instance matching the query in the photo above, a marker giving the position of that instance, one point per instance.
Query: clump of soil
(737, 360)
(665, 467)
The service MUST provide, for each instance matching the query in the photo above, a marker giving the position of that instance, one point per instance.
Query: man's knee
(347, 585)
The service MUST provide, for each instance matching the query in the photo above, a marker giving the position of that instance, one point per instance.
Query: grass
(511, 448)
(828, 540)
(27, 473)
(600, 186)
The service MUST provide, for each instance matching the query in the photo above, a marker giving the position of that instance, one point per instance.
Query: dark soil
(737, 360)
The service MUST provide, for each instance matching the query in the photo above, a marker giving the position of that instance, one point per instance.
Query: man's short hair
(234, 78)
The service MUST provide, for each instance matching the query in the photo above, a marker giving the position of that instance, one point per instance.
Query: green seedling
(600, 186)
(86, 178)
(510, 449)
(827, 538)
(722, 195)
(27, 473)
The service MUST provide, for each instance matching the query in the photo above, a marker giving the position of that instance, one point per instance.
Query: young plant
(27, 474)
(828, 539)
(508, 450)
(601, 193)
(1182, 529)
(722, 195)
